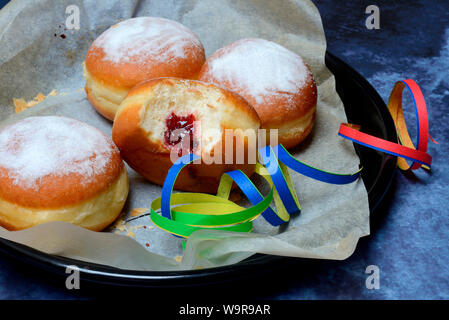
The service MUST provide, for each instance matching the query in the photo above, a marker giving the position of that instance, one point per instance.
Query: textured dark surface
(410, 231)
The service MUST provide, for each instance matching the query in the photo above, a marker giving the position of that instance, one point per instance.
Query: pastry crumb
(121, 226)
(20, 104)
(131, 234)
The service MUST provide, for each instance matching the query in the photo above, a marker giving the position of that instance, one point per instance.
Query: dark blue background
(409, 240)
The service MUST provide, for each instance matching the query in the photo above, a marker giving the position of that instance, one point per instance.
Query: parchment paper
(38, 54)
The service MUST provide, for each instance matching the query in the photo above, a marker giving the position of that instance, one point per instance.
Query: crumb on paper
(136, 227)
(131, 234)
(178, 258)
(138, 211)
(121, 226)
(20, 104)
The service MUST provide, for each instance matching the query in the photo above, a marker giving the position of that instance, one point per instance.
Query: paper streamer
(194, 211)
(183, 213)
(405, 149)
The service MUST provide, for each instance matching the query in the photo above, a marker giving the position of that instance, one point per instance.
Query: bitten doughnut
(59, 169)
(135, 50)
(162, 119)
(276, 81)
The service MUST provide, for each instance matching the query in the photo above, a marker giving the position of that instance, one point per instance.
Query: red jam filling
(179, 128)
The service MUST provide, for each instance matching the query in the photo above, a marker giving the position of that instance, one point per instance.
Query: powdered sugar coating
(139, 38)
(258, 68)
(36, 147)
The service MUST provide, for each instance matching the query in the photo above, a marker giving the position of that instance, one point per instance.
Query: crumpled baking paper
(38, 53)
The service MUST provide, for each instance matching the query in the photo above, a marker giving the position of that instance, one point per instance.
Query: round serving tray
(363, 106)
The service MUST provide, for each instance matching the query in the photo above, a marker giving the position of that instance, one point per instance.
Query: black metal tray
(363, 106)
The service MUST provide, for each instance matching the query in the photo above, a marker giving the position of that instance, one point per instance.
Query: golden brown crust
(128, 74)
(58, 191)
(152, 159)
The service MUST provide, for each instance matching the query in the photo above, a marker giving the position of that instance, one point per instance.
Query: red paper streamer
(405, 149)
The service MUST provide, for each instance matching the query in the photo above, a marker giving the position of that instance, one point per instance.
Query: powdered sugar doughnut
(59, 169)
(276, 81)
(135, 50)
(163, 118)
